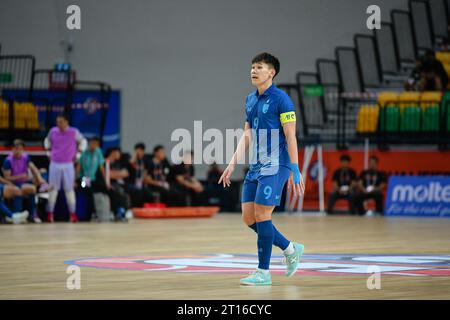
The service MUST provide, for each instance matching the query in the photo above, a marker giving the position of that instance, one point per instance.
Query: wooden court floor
(32, 258)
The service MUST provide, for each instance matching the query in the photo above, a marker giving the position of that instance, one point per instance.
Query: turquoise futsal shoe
(257, 278)
(292, 260)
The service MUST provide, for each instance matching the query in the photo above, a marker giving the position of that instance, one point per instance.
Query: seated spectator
(412, 84)
(15, 169)
(91, 172)
(138, 191)
(116, 173)
(344, 184)
(216, 194)
(433, 74)
(186, 184)
(371, 185)
(158, 170)
(9, 191)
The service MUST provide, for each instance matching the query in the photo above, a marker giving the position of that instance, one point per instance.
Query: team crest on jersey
(265, 107)
(311, 264)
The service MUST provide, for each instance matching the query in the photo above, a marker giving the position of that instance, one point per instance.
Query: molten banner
(418, 196)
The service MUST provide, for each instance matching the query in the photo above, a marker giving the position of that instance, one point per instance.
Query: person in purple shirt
(15, 169)
(63, 142)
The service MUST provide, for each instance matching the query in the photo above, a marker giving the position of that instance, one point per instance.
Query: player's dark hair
(374, 158)
(269, 59)
(345, 157)
(111, 150)
(139, 145)
(94, 138)
(157, 148)
(18, 143)
(63, 115)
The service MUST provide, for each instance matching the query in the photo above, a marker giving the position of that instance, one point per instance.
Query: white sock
(289, 249)
(263, 271)
(71, 200)
(52, 195)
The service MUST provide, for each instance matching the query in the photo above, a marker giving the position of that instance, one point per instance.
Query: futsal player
(15, 169)
(270, 132)
(63, 142)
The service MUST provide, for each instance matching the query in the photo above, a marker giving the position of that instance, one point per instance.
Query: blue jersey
(266, 114)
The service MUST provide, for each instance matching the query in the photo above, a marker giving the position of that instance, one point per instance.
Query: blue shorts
(265, 189)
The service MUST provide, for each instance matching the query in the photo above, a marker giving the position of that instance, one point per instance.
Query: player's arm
(5, 181)
(289, 128)
(7, 173)
(36, 173)
(150, 181)
(238, 156)
(78, 168)
(119, 174)
(184, 182)
(9, 177)
(48, 144)
(81, 143)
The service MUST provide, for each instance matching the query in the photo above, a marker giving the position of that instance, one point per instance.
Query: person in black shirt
(116, 173)
(138, 191)
(371, 184)
(186, 184)
(344, 183)
(157, 178)
(215, 193)
(433, 74)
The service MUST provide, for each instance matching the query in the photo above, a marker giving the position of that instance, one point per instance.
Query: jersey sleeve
(6, 165)
(286, 110)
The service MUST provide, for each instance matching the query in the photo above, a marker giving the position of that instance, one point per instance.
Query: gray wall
(180, 61)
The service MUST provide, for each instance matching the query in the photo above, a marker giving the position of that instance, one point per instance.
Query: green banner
(5, 77)
(313, 90)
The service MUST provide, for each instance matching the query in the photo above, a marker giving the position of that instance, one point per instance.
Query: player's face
(115, 155)
(93, 145)
(140, 153)
(261, 72)
(160, 154)
(61, 123)
(17, 151)
(373, 164)
(345, 164)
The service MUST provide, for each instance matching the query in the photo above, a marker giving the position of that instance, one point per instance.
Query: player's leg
(378, 197)
(264, 226)
(54, 179)
(262, 216)
(249, 192)
(68, 175)
(332, 198)
(29, 191)
(248, 217)
(12, 192)
(272, 188)
(247, 199)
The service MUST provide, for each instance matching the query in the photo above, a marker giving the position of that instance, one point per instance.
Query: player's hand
(296, 180)
(226, 175)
